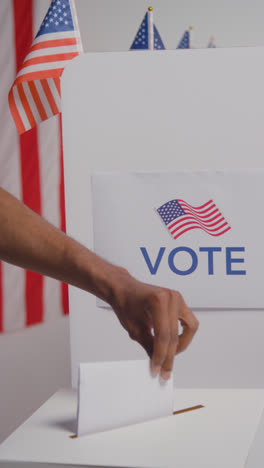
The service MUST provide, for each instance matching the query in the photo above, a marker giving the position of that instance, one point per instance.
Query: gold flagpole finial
(150, 8)
(191, 27)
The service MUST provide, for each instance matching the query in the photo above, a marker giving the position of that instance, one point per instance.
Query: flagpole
(150, 29)
(190, 36)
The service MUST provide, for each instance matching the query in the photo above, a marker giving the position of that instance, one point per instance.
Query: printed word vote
(231, 258)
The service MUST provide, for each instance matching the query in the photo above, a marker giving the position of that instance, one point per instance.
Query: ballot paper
(116, 394)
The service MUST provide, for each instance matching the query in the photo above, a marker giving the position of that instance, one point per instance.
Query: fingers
(187, 335)
(167, 309)
(167, 365)
(162, 309)
(190, 326)
(162, 332)
(144, 337)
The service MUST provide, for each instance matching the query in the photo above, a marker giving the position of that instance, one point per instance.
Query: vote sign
(200, 233)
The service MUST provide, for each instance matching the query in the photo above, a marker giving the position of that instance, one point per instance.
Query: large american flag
(35, 94)
(31, 169)
(180, 217)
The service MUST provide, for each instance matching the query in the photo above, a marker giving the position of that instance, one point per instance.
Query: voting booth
(170, 116)
(129, 121)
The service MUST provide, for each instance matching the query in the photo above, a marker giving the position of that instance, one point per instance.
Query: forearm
(29, 241)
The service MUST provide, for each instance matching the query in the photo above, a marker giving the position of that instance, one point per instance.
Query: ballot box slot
(192, 408)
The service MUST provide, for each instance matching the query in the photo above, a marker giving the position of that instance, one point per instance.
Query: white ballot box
(218, 435)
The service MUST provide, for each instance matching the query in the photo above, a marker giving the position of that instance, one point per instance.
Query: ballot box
(219, 434)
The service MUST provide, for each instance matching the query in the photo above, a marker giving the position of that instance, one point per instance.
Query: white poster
(200, 233)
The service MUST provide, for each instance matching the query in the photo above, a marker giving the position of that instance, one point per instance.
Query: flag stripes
(64, 287)
(180, 217)
(31, 196)
(206, 217)
(50, 168)
(29, 156)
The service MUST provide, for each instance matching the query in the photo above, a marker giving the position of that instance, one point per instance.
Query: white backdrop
(135, 115)
(109, 25)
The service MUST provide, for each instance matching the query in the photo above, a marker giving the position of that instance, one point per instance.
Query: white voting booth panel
(162, 111)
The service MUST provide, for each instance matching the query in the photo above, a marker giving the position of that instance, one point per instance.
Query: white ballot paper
(116, 394)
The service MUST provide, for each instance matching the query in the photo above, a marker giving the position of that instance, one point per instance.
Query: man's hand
(151, 316)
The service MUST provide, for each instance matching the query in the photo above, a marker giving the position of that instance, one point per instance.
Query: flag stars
(170, 211)
(57, 19)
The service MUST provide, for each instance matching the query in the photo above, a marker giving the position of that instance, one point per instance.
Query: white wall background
(34, 363)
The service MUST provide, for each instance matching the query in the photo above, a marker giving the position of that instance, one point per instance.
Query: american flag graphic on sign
(35, 94)
(180, 217)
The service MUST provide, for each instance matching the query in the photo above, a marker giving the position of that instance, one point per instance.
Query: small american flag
(180, 217)
(211, 43)
(35, 94)
(185, 42)
(148, 36)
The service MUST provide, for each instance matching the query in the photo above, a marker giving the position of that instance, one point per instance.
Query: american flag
(31, 169)
(211, 43)
(180, 217)
(148, 36)
(185, 42)
(35, 94)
